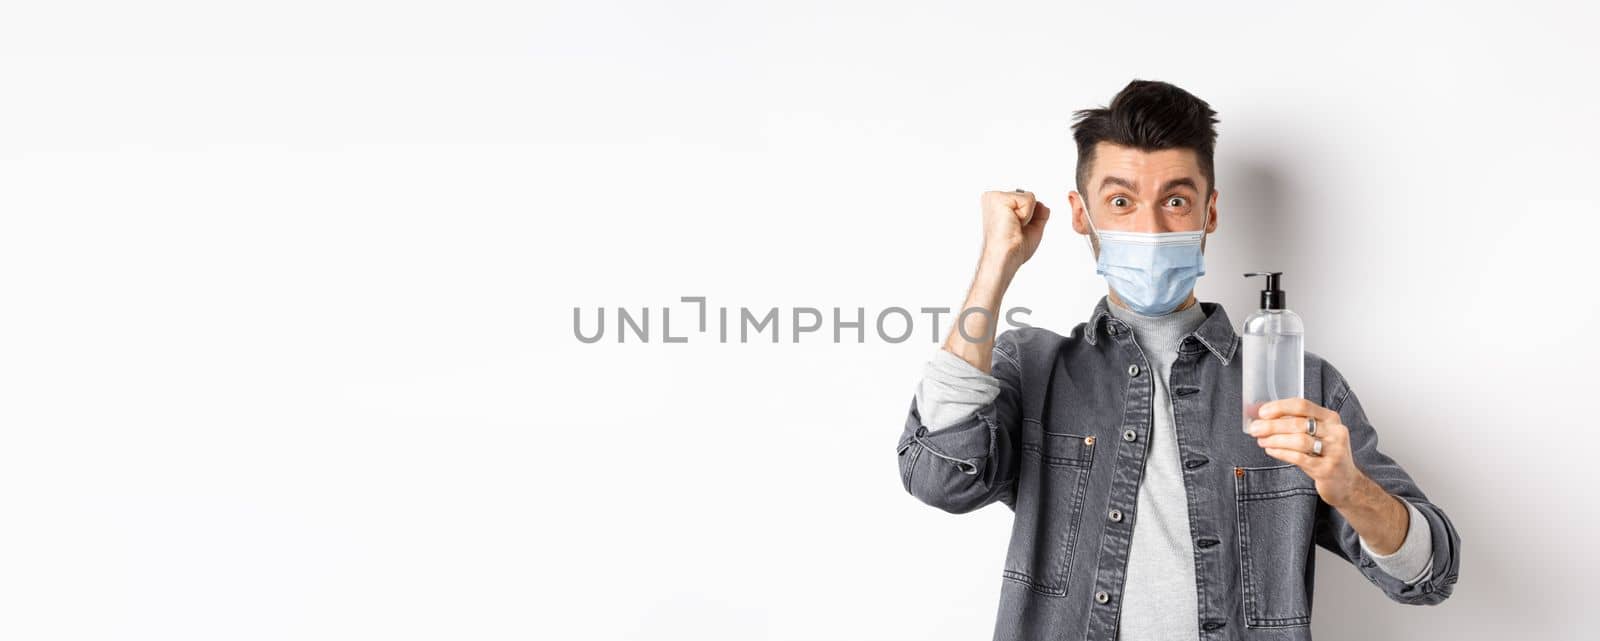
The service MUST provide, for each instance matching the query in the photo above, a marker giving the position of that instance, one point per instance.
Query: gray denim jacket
(1052, 448)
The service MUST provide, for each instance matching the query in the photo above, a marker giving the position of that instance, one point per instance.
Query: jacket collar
(1215, 332)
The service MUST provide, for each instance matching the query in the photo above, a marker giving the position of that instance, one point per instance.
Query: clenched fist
(1013, 223)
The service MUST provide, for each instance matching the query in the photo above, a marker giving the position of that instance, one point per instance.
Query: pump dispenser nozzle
(1271, 297)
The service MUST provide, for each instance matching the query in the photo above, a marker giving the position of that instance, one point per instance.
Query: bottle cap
(1271, 297)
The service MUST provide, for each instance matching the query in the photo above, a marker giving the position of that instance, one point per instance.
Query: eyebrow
(1128, 184)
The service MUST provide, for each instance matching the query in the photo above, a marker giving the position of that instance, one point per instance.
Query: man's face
(1144, 191)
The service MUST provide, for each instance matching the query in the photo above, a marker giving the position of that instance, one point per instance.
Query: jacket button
(1133, 370)
(1101, 597)
(1116, 515)
(1130, 435)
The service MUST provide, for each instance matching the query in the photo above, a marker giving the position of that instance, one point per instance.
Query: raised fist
(1013, 223)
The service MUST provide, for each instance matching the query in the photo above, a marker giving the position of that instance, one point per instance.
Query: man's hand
(1381, 518)
(1013, 224)
(1281, 430)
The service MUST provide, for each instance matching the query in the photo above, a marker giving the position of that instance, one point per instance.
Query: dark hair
(1148, 115)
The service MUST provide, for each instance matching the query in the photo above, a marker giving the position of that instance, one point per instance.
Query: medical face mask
(1152, 272)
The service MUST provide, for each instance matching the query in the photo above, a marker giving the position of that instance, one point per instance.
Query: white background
(286, 343)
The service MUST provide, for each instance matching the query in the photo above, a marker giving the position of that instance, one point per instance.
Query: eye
(1119, 201)
(1177, 201)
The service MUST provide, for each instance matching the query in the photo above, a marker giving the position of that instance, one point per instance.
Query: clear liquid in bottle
(1274, 359)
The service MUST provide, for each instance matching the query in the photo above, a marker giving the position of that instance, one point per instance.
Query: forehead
(1146, 169)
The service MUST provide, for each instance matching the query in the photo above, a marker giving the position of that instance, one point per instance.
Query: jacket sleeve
(972, 463)
(1337, 535)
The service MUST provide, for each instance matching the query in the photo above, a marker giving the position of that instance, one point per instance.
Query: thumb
(1041, 215)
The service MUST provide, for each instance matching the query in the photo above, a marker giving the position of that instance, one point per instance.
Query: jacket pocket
(1051, 482)
(1277, 516)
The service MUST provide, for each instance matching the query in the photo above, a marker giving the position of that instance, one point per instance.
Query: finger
(1022, 203)
(1041, 215)
(1299, 442)
(1335, 432)
(1300, 459)
(1285, 425)
(1297, 407)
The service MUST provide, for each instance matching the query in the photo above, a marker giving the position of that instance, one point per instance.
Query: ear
(1080, 222)
(1211, 212)
(1079, 213)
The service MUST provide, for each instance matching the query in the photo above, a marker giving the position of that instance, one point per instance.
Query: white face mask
(1152, 273)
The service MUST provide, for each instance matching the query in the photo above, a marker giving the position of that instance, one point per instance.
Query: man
(1141, 511)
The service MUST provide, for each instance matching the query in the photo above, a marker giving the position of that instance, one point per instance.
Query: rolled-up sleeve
(952, 390)
(969, 461)
(1434, 578)
(1411, 562)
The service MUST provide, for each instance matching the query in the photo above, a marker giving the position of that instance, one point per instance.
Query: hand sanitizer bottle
(1274, 351)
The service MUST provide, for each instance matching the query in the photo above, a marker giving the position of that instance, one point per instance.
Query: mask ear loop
(1093, 234)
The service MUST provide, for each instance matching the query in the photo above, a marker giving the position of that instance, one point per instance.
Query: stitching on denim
(1007, 355)
(1287, 622)
(1031, 584)
(937, 453)
(1085, 456)
(1341, 391)
(1080, 501)
(1268, 467)
(1066, 553)
(961, 463)
(1244, 551)
(994, 442)
(1009, 486)
(1224, 355)
(1266, 495)
(916, 453)
(1092, 329)
(1247, 584)
(983, 417)
(1058, 461)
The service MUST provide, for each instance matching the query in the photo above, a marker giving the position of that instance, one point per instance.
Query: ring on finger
(1316, 446)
